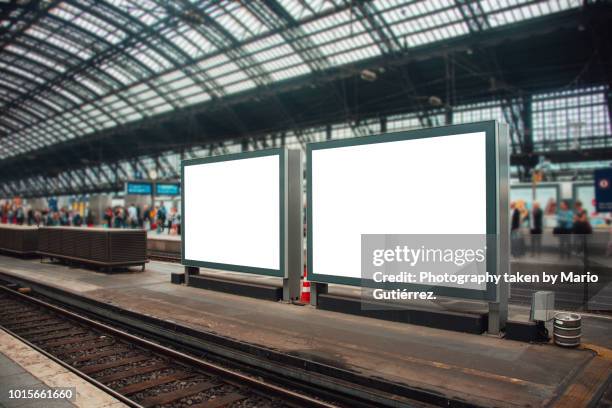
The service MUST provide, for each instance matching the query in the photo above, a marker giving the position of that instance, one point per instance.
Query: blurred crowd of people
(12, 212)
(154, 218)
(572, 227)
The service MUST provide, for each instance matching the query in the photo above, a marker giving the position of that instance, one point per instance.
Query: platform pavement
(23, 368)
(480, 369)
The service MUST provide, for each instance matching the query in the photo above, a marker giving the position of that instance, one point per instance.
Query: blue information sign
(170, 189)
(139, 188)
(603, 189)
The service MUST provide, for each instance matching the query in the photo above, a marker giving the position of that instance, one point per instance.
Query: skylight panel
(336, 21)
(296, 8)
(248, 20)
(45, 35)
(235, 76)
(90, 85)
(137, 89)
(129, 118)
(154, 101)
(345, 51)
(88, 22)
(267, 43)
(185, 45)
(146, 11)
(198, 39)
(187, 92)
(180, 84)
(321, 5)
(35, 57)
(147, 60)
(171, 77)
(162, 108)
(240, 86)
(22, 72)
(213, 63)
(278, 57)
(293, 71)
(339, 35)
(197, 98)
(117, 105)
(67, 94)
(234, 27)
(507, 12)
(126, 110)
(118, 73)
(109, 100)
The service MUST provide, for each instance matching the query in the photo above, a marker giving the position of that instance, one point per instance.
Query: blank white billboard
(433, 185)
(232, 213)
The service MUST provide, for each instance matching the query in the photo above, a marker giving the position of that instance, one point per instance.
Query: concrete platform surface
(480, 369)
(22, 368)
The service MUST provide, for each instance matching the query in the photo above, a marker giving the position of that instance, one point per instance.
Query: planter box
(97, 246)
(18, 239)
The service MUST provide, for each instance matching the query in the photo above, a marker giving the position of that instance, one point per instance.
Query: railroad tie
(220, 402)
(95, 368)
(137, 387)
(178, 394)
(105, 353)
(39, 320)
(131, 373)
(89, 345)
(71, 340)
(38, 329)
(57, 335)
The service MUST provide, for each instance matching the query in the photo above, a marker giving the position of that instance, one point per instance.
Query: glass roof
(73, 68)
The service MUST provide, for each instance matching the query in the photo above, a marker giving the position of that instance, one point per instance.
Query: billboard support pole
(498, 310)
(190, 270)
(316, 289)
(294, 226)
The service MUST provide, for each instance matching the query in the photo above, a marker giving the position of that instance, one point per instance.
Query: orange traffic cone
(305, 295)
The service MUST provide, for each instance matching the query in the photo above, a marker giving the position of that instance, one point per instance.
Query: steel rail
(285, 394)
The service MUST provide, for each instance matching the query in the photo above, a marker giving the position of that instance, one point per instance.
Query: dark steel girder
(101, 142)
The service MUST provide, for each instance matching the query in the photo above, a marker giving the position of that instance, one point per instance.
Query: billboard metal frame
(497, 166)
(281, 153)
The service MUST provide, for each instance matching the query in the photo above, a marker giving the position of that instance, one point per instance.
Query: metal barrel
(567, 329)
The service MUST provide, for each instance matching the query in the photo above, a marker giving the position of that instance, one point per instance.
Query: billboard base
(475, 322)
(259, 291)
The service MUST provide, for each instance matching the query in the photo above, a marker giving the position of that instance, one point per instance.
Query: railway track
(136, 371)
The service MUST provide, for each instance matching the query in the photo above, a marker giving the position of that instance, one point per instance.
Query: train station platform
(477, 369)
(23, 369)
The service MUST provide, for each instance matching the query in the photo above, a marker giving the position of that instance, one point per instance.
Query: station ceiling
(84, 81)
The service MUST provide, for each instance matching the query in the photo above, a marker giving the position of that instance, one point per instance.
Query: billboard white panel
(434, 185)
(232, 213)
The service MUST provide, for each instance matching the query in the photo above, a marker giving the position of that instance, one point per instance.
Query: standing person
(38, 218)
(64, 217)
(139, 216)
(537, 216)
(77, 220)
(161, 218)
(564, 229)
(132, 216)
(120, 217)
(19, 215)
(516, 245)
(581, 227)
(89, 219)
(173, 222)
(108, 217)
(146, 217)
